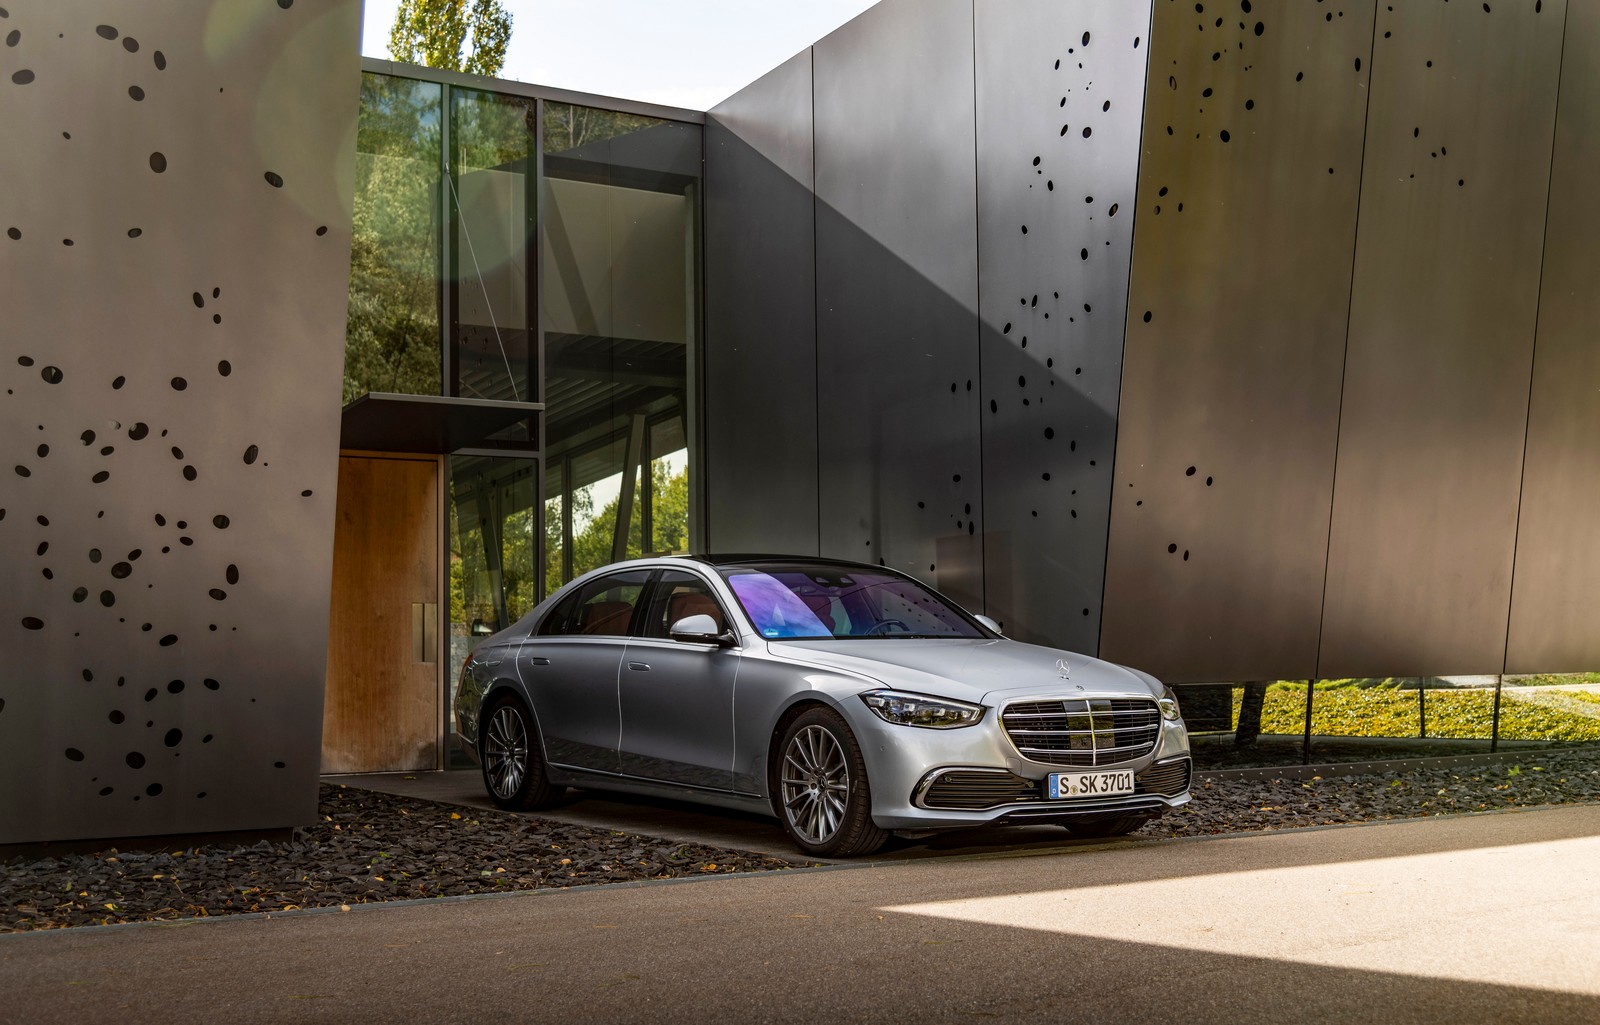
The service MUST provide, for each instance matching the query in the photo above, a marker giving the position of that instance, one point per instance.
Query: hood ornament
(1063, 669)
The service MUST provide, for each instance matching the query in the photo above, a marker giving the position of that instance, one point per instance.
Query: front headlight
(1168, 703)
(917, 710)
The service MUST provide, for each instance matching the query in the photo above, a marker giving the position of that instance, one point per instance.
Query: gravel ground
(1230, 805)
(368, 847)
(377, 847)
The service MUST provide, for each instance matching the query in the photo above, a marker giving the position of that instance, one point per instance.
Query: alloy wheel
(816, 784)
(505, 751)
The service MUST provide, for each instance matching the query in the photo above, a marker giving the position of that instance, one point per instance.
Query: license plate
(1090, 784)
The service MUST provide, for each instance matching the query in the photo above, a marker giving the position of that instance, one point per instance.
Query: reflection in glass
(1377, 719)
(491, 149)
(492, 565)
(392, 332)
(1550, 708)
(619, 316)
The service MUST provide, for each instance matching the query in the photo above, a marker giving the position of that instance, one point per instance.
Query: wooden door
(382, 708)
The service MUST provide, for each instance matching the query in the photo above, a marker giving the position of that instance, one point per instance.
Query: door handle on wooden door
(424, 631)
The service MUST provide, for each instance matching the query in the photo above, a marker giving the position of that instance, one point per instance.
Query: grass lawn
(1387, 711)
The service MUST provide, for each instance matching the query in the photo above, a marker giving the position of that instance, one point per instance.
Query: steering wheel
(883, 626)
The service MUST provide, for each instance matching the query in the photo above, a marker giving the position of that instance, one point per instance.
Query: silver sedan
(849, 701)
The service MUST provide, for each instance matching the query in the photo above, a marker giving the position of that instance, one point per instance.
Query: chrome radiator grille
(1083, 731)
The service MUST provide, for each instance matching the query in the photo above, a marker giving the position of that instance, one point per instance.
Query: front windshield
(819, 601)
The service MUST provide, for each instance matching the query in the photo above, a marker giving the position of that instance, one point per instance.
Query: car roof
(744, 559)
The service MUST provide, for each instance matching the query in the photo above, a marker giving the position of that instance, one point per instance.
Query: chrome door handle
(639, 667)
(539, 661)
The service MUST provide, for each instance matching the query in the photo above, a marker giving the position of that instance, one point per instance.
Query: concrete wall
(173, 280)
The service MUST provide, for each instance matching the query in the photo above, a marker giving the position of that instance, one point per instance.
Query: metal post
(630, 463)
(1494, 735)
(1422, 708)
(1305, 752)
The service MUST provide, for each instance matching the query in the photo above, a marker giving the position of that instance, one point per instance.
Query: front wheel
(823, 798)
(513, 758)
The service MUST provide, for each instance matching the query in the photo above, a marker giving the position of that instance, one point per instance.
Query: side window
(602, 607)
(677, 596)
(559, 619)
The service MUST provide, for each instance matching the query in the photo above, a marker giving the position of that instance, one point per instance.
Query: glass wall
(392, 334)
(491, 175)
(619, 313)
(492, 552)
(514, 249)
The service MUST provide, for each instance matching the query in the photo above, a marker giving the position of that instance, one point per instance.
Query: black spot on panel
(274, 179)
(106, 32)
(158, 162)
(22, 77)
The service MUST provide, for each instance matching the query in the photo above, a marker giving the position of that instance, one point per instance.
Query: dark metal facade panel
(1555, 626)
(897, 325)
(1236, 322)
(1442, 323)
(1060, 90)
(174, 277)
(761, 338)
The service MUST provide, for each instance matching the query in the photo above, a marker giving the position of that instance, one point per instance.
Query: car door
(677, 696)
(570, 667)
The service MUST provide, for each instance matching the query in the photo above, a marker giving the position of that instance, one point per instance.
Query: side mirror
(701, 629)
(991, 624)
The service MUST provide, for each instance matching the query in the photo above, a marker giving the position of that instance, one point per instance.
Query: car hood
(977, 670)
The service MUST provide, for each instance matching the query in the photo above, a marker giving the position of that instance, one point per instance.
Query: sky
(683, 53)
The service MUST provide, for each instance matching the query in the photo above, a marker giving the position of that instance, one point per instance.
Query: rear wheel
(1102, 828)
(823, 798)
(513, 758)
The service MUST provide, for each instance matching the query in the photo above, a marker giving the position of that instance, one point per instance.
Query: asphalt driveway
(1488, 918)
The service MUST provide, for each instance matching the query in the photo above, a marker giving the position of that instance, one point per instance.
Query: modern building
(1240, 345)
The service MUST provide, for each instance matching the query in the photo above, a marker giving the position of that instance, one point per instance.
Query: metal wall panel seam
(816, 311)
(1355, 247)
(1127, 304)
(978, 336)
(1533, 359)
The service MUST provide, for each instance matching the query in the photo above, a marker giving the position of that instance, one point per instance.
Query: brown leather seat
(693, 603)
(606, 617)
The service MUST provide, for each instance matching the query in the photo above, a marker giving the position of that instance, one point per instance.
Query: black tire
(1106, 828)
(512, 754)
(820, 789)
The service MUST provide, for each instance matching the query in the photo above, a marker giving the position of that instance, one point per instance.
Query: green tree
(434, 33)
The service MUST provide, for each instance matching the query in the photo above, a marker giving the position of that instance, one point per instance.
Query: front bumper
(974, 776)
